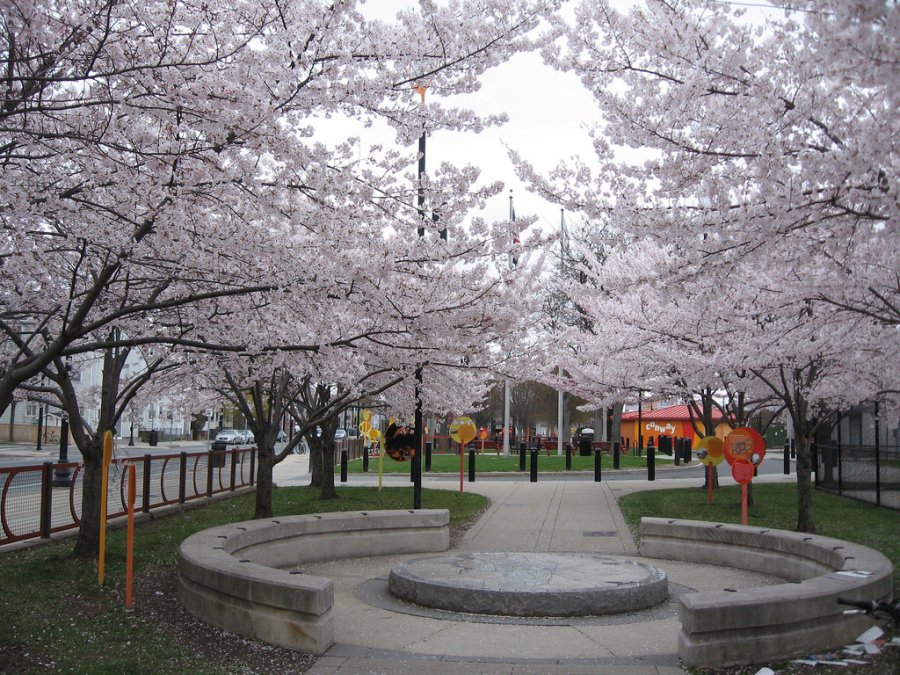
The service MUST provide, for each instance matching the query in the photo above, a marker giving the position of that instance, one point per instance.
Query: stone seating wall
(247, 578)
(764, 624)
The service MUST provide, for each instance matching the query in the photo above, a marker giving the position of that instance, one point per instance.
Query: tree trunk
(87, 543)
(264, 463)
(328, 490)
(805, 521)
(616, 430)
(315, 462)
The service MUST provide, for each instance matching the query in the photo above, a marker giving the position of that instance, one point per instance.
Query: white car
(249, 437)
(230, 437)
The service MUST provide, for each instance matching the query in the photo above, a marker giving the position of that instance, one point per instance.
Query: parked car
(249, 436)
(231, 437)
(281, 437)
(340, 434)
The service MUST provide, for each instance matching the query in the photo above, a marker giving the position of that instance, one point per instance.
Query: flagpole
(560, 405)
(512, 263)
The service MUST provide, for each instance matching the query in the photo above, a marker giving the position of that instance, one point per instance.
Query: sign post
(710, 451)
(462, 430)
(744, 449)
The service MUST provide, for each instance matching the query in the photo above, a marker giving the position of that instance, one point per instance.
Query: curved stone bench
(721, 627)
(244, 577)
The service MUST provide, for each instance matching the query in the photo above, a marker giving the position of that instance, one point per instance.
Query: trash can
(217, 459)
(154, 438)
(586, 442)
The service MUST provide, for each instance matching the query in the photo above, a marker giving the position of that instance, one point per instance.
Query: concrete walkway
(376, 633)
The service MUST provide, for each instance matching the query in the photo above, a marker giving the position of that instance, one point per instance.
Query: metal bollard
(343, 466)
(651, 460)
(677, 451)
(428, 456)
(787, 458)
(617, 455)
(598, 454)
(472, 465)
(534, 461)
(417, 482)
(521, 456)
(365, 458)
(568, 457)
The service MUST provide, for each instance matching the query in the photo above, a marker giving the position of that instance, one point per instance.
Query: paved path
(378, 634)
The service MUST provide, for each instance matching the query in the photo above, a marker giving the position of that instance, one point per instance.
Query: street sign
(462, 430)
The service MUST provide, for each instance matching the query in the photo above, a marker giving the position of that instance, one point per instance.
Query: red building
(672, 421)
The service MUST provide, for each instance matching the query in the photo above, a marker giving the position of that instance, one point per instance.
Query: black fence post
(534, 462)
(598, 457)
(428, 446)
(145, 498)
(209, 473)
(344, 465)
(521, 456)
(617, 454)
(568, 457)
(814, 451)
(787, 457)
(182, 477)
(472, 465)
(234, 458)
(46, 499)
(840, 463)
(651, 460)
(877, 456)
(253, 465)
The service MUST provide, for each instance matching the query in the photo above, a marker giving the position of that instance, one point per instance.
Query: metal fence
(865, 472)
(31, 505)
(858, 455)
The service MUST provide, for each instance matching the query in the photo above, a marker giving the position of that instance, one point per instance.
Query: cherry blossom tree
(162, 184)
(750, 162)
(159, 154)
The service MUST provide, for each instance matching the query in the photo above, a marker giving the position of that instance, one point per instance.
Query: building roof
(678, 413)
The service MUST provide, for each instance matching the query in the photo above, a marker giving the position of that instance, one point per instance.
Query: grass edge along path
(491, 463)
(56, 618)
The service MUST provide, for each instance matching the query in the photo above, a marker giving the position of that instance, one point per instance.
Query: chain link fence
(860, 457)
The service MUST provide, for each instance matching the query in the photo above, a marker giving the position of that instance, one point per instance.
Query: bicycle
(875, 608)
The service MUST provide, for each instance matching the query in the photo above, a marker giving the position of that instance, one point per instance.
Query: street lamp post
(62, 477)
(40, 425)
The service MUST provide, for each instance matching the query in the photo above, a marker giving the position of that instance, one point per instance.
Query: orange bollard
(461, 468)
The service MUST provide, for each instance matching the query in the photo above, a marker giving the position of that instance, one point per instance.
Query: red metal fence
(31, 506)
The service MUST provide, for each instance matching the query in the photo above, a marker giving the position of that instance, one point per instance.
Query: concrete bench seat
(721, 627)
(244, 577)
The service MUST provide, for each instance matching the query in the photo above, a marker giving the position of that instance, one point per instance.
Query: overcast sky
(547, 111)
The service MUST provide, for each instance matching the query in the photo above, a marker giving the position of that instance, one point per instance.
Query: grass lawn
(776, 507)
(489, 463)
(56, 618)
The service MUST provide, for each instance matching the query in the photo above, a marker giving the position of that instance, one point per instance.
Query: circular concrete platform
(529, 584)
